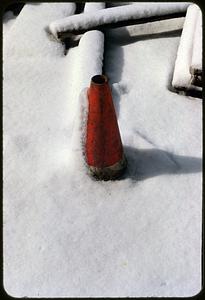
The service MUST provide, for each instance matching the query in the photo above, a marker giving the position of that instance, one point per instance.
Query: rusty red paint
(103, 141)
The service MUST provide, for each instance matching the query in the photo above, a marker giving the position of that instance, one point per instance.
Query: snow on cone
(103, 146)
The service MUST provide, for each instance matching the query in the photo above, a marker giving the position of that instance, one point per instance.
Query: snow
(92, 42)
(93, 6)
(115, 14)
(41, 46)
(90, 52)
(65, 234)
(76, 153)
(196, 61)
(8, 20)
(182, 76)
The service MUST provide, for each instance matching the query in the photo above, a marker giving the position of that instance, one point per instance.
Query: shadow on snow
(147, 163)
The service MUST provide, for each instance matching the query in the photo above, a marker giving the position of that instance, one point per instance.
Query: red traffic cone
(104, 151)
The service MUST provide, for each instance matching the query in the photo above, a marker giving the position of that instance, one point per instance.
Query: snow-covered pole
(196, 61)
(89, 63)
(116, 17)
(90, 52)
(183, 80)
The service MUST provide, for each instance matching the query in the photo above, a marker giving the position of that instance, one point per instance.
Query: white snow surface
(91, 42)
(93, 6)
(182, 76)
(196, 61)
(65, 234)
(41, 46)
(8, 20)
(115, 14)
(76, 153)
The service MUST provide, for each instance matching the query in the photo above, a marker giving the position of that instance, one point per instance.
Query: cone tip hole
(99, 79)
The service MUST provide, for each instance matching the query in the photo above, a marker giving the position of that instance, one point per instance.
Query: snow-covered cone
(103, 147)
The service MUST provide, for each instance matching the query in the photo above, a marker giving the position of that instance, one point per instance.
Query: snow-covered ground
(66, 235)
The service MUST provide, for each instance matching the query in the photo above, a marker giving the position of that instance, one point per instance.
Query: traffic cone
(103, 147)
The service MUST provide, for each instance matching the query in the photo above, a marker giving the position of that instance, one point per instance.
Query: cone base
(109, 173)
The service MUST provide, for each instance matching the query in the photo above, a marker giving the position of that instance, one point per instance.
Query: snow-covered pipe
(182, 76)
(196, 61)
(90, 63)
(90, 57)
(91, 50)
(113, 15)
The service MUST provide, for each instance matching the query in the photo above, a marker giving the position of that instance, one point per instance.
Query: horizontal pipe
(72, 33)
(116, 17)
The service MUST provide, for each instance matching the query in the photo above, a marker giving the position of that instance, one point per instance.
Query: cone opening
(99, 79)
